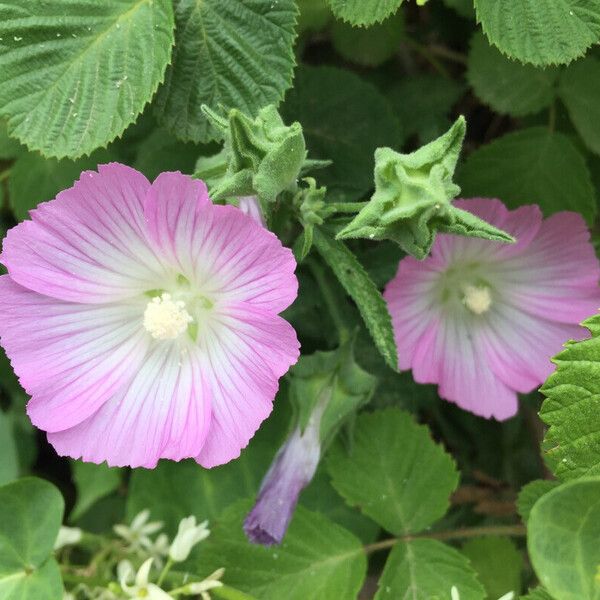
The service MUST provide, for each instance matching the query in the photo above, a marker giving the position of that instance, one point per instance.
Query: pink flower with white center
(483, 319)
(143, 320)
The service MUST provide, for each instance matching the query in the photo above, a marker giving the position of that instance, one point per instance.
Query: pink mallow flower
(482, 319)
(143, 320)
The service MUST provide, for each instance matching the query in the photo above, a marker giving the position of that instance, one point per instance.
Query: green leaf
(423, 104)
(572, 408)
(75, 75)
(412, 199)
(427, 570)
(563, 534)
(579, 90)
(332, 565)
(541, 32)
(362, 290)
(34, 179)
(368, 47)
(9, 147)
(9, 464)
(236, 53)
(498, 564)
(531, 493)
(92, 482)
(506, 85)
(390, 470)
(344, 119)
(364, 12)
(529, 166)
(31, 515)
(173, 490)
(314, 15)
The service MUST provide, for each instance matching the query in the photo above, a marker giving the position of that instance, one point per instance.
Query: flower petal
(89, 244)
(557, 278)
(70, 357)
(163, 413)
(448, 356)
(246, 353)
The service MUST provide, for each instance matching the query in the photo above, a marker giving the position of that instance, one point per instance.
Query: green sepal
(333, 378)
(413, 198)
(264, 156)
(312, 209)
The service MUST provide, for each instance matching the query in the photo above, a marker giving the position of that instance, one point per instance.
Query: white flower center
(165, 318)
(477, 299)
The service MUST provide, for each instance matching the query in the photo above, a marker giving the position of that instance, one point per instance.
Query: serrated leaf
(34, 179)
(332, 565)
(563, 534)
(93, 482)
(362, 290)
(541, 32)
(427, 570)
(498, 564)
(236, 53)
(389, 471)
(364, 12)
(368, 47)
(531, 493)
(506, 85)
(530, 166)
(572, 408)
(580, 90)
(31, 515)
(344, 119)
(75, 75)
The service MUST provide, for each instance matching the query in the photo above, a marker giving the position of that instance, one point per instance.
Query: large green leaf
(541, 32)
(531, 493)
(506, 85)
(390, 470)
(31, 515)
(344, 119)
(364, 12)
(531, 166)
(74, 75)
(580, 90)
(318, 559)
(563, 540)
(362, 290)
(427, 570)
(572, 408)
(236, 53)
(497, 563)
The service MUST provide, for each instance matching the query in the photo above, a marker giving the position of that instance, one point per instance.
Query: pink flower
(482, 319)
(143, 320)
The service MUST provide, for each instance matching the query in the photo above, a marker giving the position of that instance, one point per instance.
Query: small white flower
(203, 587)
(508, 596)
(158, 549)
(67, 536)
(137, 534)
(141, 588)
(188, 535)
(454, 595)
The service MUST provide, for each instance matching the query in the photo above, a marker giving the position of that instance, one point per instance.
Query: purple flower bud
(292, 470)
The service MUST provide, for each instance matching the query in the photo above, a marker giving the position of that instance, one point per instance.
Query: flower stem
(330, 300)
(453, 534)
(5, 174)
(164, 572)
